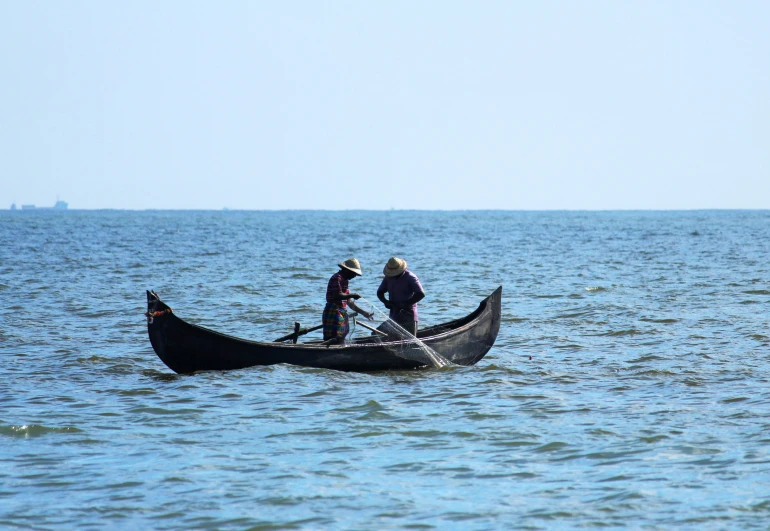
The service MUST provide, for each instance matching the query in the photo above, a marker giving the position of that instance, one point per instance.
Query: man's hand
(354, 296)
(388, 304)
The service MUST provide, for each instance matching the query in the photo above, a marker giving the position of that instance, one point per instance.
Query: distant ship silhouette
(60, 205)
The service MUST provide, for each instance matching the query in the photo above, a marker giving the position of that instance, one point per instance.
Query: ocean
(629, 386)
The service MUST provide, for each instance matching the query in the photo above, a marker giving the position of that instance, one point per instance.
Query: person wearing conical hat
(338, 297)
(404, 292)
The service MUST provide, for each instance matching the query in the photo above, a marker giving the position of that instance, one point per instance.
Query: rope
(152, 315)
(158, 314)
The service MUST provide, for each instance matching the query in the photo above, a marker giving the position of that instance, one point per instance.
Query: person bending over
(404, 292)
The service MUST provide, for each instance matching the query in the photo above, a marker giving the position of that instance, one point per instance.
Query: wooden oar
(297, 332)
(371, 328)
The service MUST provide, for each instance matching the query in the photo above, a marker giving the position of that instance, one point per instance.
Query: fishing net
(399, 341)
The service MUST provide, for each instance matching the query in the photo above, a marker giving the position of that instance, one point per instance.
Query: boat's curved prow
(158, 314)
(495, 305)
(471, 337)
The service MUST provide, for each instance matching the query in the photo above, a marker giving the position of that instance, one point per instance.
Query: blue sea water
(629, 386)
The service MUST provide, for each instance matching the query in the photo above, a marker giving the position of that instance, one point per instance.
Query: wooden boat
(187, 348)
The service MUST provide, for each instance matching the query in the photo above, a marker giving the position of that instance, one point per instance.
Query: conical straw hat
(394, 267)
(351, 264)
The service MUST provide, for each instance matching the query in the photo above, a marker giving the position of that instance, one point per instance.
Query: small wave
(500, 368)
(309, 276)
(368, 434)
(555, 446)
(602, 432)
(575, 314)
(176, 479)
(34, 430)
(661, 321)
(734, 400)
(161, 376)
(596, 288)
(647, 357)
(93, 359)
(569, 346)
(371, 406)
(423, 433)
(760, 507)
(120, 368)
(513, 443)
(137, 392)
(616, 333)
(245, 289)
(653, 438)
(163, 411)
(514, 319)
(124, 485)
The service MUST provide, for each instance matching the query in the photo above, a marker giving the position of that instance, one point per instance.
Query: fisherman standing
(335, 315)
(404, 290)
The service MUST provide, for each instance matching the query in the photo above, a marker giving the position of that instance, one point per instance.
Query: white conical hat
(351, 264)
(394, 267)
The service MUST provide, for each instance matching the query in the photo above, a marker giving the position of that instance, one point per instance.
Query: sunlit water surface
(629, 385)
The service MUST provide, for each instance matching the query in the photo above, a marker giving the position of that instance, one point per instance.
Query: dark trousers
(409, 326)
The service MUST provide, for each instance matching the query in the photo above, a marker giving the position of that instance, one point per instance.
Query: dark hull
(187, 348)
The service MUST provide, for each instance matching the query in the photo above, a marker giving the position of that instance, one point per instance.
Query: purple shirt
(401, 289)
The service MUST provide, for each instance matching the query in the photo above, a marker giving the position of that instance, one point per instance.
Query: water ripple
(630, 381)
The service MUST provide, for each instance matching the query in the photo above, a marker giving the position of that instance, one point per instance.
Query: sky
(378, 105)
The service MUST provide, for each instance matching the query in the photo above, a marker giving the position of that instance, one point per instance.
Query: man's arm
(414, 299)
(419, 292)
(356, 308)
(381, 296)
(381, 291)
(338, 297)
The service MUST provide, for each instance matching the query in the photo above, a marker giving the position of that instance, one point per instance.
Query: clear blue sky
(431, 104)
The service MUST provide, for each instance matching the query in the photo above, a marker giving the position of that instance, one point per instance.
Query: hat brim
(394, 272)
(351, 269)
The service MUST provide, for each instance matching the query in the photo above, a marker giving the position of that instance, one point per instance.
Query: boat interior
(430, 331)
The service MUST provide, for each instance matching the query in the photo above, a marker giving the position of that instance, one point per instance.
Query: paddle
(297, 332)
(301, 332)
(359, 323)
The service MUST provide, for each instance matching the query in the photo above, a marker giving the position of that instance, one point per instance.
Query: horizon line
(699, 209)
